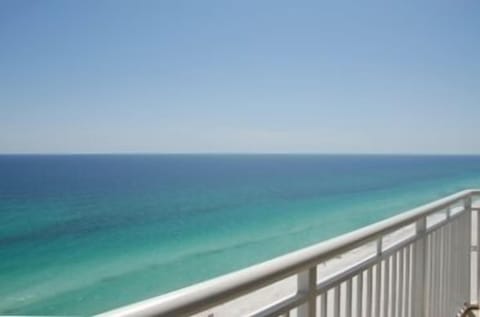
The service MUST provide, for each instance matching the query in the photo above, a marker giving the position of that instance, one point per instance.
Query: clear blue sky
(240, 76)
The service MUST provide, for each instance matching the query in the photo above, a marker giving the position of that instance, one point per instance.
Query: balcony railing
(432, 270)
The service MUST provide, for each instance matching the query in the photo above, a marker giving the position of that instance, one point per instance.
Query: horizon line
(234, 153)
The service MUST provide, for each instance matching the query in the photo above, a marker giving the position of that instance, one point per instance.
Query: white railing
(429, 271)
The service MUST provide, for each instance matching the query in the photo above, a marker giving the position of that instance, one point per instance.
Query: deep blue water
(80, 234)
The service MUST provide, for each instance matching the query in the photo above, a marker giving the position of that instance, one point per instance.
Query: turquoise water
(83, 234)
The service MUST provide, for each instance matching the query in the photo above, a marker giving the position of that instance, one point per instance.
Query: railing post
(307, 284)
(477, 232)
(467, 205)
(477, 280)
(418, 278)
(378, 276)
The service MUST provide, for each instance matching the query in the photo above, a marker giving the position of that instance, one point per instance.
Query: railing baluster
(441, 277)
(467, 205)
(408, 287)
(448, 272)
(378, 277)
(457, 264)
(348, 298)
(306, 283)
(401, 283)
(323, 304)
(436, 289)
(368, 295)
(336, 301)
(465, 250)
(386, 289)
(418, 287)
(378, 271)
(478, 256)
(393, 303)
(430, 275)
(359, 294)
(467, 255)
(458, 272)
(438, 302)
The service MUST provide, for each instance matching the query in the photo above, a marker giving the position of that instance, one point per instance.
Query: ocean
(81, 234)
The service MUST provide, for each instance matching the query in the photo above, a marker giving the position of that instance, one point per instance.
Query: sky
(247, 76)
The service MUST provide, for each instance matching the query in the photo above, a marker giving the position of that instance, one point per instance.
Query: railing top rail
(207, 294)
